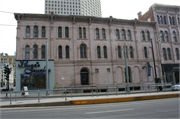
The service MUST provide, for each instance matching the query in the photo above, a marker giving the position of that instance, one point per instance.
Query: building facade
(74, 7)
(168, 31)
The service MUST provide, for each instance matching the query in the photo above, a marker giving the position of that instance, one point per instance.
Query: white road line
(108, 111)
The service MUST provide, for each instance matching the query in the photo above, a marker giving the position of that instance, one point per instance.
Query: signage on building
(171, 67)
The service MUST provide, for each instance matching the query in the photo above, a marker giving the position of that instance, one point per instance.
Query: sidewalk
(58, 100)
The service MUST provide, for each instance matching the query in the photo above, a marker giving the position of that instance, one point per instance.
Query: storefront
(171, 73)
(32, 73)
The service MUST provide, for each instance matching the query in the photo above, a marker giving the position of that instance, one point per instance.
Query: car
(175, 87)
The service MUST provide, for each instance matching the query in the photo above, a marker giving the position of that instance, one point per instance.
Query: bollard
(10, 98)
(38, 96)
(65, 95)
(15, 97)
(107, 91)
(157, 88)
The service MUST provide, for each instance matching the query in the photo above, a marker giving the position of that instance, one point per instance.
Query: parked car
(175, 87)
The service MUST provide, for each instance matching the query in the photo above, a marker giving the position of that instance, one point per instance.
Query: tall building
(73, 7)
(168, 34)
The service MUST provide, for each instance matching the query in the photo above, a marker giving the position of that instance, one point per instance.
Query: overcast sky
(124, 9)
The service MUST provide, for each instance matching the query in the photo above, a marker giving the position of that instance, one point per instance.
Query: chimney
(139, 15)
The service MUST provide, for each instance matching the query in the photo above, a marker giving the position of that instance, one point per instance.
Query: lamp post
(63, 80)
(127, 77)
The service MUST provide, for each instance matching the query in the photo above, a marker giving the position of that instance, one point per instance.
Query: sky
(122, 9)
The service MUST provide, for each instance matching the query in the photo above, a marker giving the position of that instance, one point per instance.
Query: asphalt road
(160, 108)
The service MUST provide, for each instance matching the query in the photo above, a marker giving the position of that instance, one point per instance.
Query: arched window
(97, 33)
(166, 36)
(27, 31)
(131, 52)
(173, 23)
(158, 19)
(105, 52)
(84, 32)
(98, 51)
(169, 53)
(67, 52)
(129, 35)
(123, 34)
(43, 51)
(103, 34)
(60, 52)
(35, 31)
(178, 21)
(148, 35)
(80, 32)
(164, 19)
(119, 51)
(174, 36)
(83, 51)
(84, 77)
(43, 31)
(170, 21)
(161, 20)
(177, 53)
(117, 34)
(59, 32)
(161, 36)
(164, 54)
(129, 75)
(27, 52)
(143, 36)
(35, 51)
(66, 32)
(145, 52)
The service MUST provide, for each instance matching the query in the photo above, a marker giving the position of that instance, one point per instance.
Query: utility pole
(127, 77)
(47, 80)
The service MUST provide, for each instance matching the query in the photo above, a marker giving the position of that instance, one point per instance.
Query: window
(131, 52)
(123, 34)
(173, 23)
(60, 52)
(35, 51)
(108, 70)
(145, 52)
(170, 21)
(161, 36)
(66, 32)
(148, 35)
(161, 20)
(178, 21)
(177, 53)
(169, 53)
(126, 52)
(105, 51)
(166, 36)
(164, 19)
(59, 32)
(96, 70)
(117, 34)
(103, 34)
(97, 33)
(43, 52)
(158, 19)
(27, 31)
(143, 36)
(174, 36)
(98, 51)
(119, 51)
(84, 32)
(83, 51)
(35, 31)
(43, 31)
(164, 54)
(80, 32)
(27, 52)
(67, 51)
(129, 35)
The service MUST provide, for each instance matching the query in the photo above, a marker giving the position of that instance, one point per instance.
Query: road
(160, 108)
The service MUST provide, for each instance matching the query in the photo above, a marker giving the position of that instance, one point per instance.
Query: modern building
(73, 7)
(85, 50)
(168, 32)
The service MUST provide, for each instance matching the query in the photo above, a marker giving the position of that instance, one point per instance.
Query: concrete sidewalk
(58, 100)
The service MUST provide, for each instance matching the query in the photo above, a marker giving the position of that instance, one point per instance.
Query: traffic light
(5, 69)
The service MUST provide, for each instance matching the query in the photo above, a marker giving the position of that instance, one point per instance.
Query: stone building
(88, 51)
(168, 29)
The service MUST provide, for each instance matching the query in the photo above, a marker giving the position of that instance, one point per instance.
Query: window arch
(83, 53)
(27, 50)
(148, 35)
(43, 31)
(60, 52)
(105, 52)
(67, 51)
(117, 34)
(129, 35)
(129, 75)
(84, 32)
(35, 31)
(166, 36)
(43, 51)
(119, 51)
(35, 51)
(174, 36)
(158, 19)
(59, 32)
(98, 51)
(164, 54)
(66, 32)
(123, 33)
(27, 31)
(161, 36)
(164, 19)
(97, 33)
(80, 32)
(103, 34)
(145, 52)
(131, 51)
(143, 36)
(177, 53)
(169, 53)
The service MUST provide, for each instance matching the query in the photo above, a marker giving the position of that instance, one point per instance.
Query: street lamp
(63, 80)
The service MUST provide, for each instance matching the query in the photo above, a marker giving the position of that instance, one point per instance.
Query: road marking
(108, 111)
